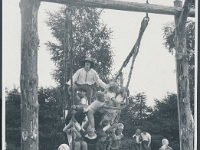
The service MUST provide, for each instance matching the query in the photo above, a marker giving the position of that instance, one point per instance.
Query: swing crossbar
(125, 6)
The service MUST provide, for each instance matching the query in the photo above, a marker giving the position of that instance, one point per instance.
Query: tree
(163, 122)
(134, 116)
(169, 34)
(50, 124)
(89, 36)
(13, 117)
(135, 113)
(160, 121)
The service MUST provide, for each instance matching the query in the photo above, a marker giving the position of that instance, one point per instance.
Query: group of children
(95, 126)
(141, 140)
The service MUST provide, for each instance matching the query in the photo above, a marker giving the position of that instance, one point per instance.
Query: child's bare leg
(84, 145)
(85, 125)
(90, 116)
(77, 146)
(67, 127)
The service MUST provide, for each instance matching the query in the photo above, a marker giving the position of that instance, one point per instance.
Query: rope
(132, 54)
(135, 48)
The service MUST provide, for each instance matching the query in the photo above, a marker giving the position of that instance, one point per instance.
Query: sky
(154, 68)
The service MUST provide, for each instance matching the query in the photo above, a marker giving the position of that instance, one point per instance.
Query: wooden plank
(29, 77)
(186, 122)
(125, 6)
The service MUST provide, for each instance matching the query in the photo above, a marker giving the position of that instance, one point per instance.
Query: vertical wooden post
(70, 51)
(66, 57)
(186, 128)
(29, 77)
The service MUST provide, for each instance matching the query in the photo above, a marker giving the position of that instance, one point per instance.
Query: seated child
(101, 141)
(89, 136)
(116, 137)
(137, 140)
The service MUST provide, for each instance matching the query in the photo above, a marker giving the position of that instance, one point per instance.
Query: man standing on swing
(86, 77)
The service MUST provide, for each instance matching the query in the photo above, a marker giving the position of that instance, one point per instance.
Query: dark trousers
(89, 91)
(137, 146)
(144, 145)
(97, 119)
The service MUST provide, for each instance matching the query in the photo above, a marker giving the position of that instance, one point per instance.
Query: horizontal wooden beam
(125, 6)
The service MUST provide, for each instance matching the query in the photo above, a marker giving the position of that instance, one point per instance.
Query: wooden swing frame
(29, 73)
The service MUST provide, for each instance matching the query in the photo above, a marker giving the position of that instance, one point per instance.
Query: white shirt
(109, 95)
(84, 101)
(137, 137)
(146, 137)
(119, 99)
(87, 77)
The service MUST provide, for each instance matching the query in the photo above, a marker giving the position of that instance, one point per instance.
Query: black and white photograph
(99, 74)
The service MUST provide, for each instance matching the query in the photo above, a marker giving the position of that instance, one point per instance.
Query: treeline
(161, 121)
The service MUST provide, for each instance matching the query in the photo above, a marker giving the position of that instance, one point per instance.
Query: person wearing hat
(87, 77)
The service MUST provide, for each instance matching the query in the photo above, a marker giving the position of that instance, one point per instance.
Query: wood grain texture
(29, 76)
(125, 6)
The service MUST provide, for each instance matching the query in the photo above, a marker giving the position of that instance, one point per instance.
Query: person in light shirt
(165, 144)
(87, 77)
(146, 140)
(137, 140)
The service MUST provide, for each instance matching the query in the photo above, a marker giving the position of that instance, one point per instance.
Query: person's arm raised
(99, 81)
